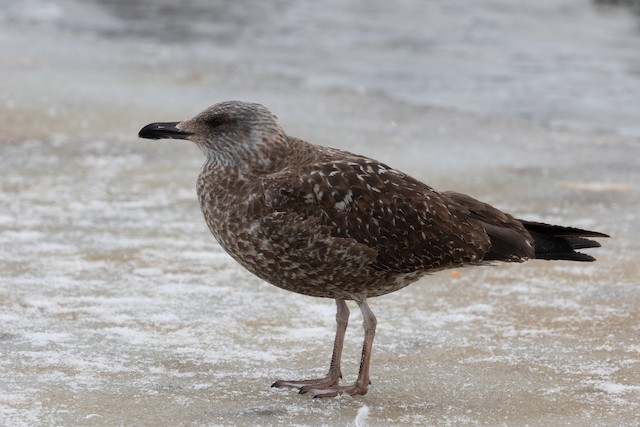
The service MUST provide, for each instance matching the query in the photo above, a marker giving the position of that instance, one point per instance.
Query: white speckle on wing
(318, 192)
(348, 198)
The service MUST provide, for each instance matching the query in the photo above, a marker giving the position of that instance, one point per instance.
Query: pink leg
(362, 383)
(333, 376)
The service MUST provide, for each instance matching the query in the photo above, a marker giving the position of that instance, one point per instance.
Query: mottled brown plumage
(328, 223)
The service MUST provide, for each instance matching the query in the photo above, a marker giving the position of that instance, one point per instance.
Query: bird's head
(229, 133)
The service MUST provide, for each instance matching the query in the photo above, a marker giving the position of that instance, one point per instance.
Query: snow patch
(614, 388)
(361, 417)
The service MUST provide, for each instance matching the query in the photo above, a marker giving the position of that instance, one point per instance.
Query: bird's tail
(557, 242)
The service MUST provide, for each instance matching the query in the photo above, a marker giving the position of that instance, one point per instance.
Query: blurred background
(118, 307)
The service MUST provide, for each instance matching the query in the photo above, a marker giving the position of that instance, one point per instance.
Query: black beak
(163, 130)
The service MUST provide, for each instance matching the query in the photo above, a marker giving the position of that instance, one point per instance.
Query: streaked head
(228, 133)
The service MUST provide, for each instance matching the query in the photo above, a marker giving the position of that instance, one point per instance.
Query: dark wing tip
(565, 256)
(560, 231)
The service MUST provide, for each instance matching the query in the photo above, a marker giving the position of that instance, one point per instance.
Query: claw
(328, 386)
(351, 390)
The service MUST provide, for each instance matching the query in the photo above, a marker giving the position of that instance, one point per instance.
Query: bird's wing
(409, 225)
(303, 240)
(510, 240)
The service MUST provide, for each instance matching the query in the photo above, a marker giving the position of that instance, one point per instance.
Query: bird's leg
(334, 374)
(362, 383)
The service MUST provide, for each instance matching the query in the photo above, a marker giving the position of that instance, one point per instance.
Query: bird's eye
(217, 120)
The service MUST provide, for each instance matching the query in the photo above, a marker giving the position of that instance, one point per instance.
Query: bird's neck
(253, 150)
(260, 156)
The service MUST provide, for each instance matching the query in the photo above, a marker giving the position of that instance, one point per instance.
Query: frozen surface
(118, 308)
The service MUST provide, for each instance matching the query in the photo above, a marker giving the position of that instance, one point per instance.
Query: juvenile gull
(328, 223)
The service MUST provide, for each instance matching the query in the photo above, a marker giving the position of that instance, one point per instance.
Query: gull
(327, 223)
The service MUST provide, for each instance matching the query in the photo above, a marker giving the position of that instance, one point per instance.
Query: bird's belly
(301, 268)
